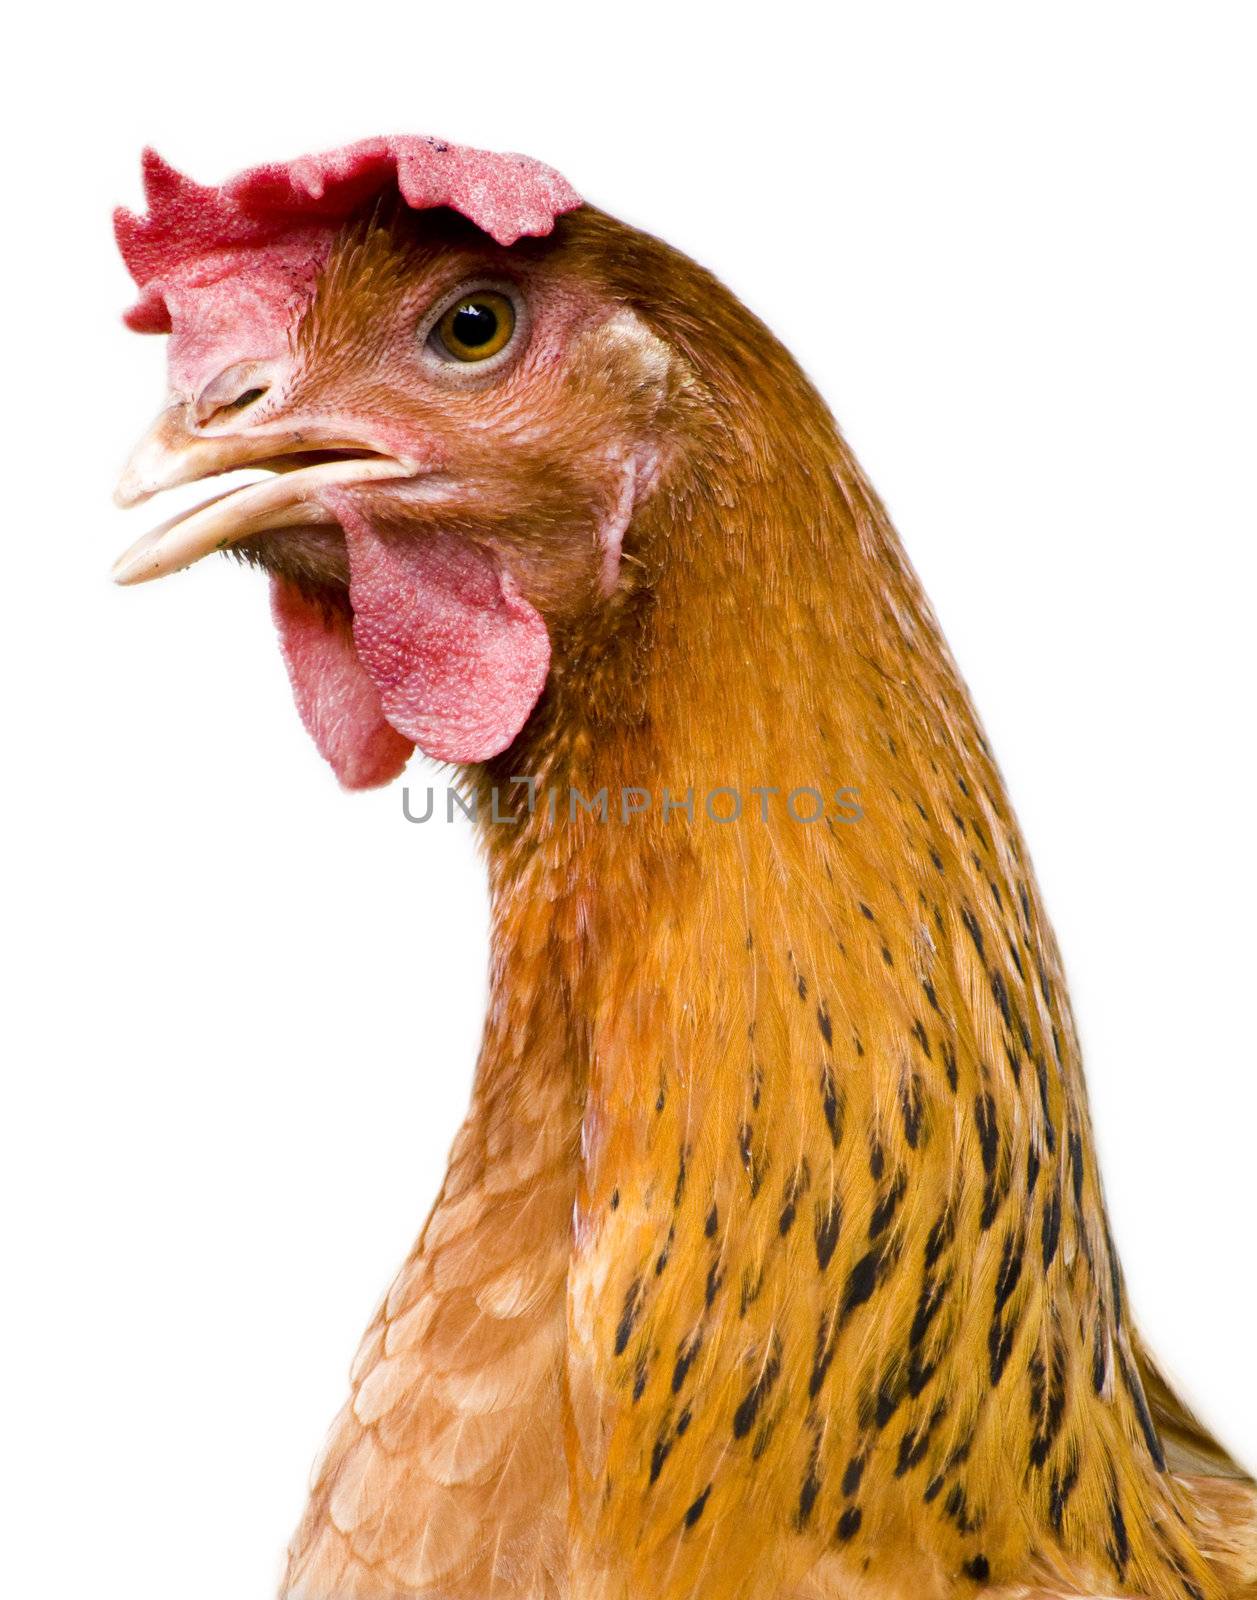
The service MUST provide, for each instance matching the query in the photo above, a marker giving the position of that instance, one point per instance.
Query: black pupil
(474, 324)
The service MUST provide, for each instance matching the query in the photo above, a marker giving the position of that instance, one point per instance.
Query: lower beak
(170, 454)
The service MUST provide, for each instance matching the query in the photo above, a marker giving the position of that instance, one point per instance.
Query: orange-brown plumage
(772, 1262)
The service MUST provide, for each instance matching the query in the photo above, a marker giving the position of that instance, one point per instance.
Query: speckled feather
(843, 1307)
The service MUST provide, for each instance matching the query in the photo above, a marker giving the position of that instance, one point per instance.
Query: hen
(772, 1260)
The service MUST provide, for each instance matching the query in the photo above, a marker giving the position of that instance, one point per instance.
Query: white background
(1014, 246)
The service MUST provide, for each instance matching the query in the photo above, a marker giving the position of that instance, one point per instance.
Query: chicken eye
(476, 327)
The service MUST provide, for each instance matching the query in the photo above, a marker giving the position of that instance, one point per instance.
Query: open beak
(304, 464)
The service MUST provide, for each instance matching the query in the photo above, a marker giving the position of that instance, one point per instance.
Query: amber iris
(478, 326)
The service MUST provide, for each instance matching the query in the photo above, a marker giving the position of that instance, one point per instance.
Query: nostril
(242, 402)
(233, 408)
(234, 390)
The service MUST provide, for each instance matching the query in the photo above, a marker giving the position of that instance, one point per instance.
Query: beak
(172, 453)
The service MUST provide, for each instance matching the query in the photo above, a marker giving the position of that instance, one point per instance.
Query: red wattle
(458, 656)
(336, 699)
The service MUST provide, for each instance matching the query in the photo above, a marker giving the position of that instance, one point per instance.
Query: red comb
(506, 196)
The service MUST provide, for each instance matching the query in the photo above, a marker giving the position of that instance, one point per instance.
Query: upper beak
(172, 453)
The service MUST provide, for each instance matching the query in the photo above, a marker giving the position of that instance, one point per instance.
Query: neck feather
(836, 1191)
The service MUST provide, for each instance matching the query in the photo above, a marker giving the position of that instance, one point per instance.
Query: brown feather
(773, 1261)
